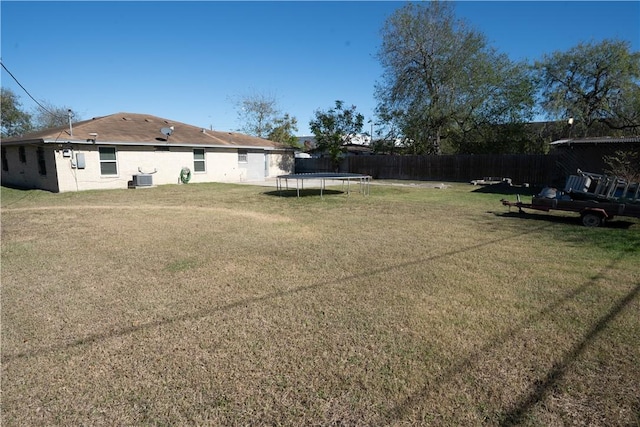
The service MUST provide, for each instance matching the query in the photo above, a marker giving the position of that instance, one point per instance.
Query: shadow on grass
(511, 416)
(307, 192)
(517, 414)
(507, 190)
(91, 338)
(557, 219)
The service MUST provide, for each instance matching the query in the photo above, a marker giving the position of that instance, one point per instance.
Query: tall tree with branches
(257, 113)
(260, 116)
(50, 116)
(283, 131)
(15, 121)
(596, 84)
(442, 79)
(335, 127)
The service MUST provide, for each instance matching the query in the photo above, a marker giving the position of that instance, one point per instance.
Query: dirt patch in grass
(258, 216)
(220, 305)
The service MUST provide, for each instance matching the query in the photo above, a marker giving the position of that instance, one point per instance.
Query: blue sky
(191, 61)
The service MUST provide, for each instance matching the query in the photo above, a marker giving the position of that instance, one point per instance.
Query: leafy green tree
(335, 127)
(442, 80)
(283, 131)
(493, 119)
(597, 84)
(15, 121)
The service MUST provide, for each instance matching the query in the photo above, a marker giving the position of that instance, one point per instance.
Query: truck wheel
(592, 220)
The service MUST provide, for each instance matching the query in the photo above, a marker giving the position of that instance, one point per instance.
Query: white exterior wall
(280, 163)
(221, 165)
(27, 175)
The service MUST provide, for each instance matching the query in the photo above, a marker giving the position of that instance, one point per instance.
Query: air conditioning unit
(142, 180)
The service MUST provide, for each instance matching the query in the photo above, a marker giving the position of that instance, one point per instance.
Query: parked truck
(597, 198)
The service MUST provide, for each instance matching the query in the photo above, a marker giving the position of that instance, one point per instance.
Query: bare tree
(53, 116)
(624, 164)
(257, 113)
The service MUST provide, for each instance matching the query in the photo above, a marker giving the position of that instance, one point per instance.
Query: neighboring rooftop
(598, 140)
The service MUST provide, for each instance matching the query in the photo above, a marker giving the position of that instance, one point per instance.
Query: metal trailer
(597, 198)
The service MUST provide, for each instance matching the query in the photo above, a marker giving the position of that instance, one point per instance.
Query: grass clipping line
(221, 305)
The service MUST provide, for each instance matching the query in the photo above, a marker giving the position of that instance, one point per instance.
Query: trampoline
(362, 180)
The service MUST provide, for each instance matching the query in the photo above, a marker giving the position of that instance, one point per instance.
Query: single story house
(588, 154)
(127, 150)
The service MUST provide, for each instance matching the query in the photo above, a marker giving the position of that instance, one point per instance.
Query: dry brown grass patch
(223, 305)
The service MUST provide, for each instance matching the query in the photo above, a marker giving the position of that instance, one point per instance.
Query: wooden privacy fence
(535, 169)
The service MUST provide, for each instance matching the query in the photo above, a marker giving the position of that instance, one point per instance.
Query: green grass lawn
(213, 304)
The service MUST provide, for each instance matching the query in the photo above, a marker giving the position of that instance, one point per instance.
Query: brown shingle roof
(142, 129)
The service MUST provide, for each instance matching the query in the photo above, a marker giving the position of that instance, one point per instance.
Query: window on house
(242, 156)
(108, 161)
(198, 160)
(22, 154)
(42, 164)
(5, 163)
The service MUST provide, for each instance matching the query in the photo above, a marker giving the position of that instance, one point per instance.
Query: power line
(25, 90)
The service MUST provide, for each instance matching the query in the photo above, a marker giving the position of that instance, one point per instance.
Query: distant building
(588, 154)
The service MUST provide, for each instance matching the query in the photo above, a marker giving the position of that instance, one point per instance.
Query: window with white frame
(198, 160)
(242, 156)
(108, 161)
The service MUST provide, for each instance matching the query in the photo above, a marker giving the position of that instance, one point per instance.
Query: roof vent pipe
(70, 127)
